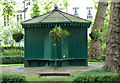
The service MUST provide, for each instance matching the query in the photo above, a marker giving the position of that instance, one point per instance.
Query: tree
(46, 6)
(113, 40)
(35, 10)
(8, 10)
(96, 45)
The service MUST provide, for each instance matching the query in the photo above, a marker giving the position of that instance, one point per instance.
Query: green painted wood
(59, 50)
(34, 46)
(77, 43)
(39, 49)
(47, 44)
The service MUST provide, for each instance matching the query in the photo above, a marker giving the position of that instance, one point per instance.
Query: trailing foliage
(17, 36)
(97, 76)
(12, 59)
(95, 34)
(12, 78)
(57, 34)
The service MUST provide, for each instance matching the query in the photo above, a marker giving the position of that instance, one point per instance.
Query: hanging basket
(57, 34)
(17, 36)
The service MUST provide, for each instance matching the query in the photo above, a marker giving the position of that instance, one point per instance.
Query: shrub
(12, 59)
(12, 52)
(97, 76)
(103, 57)
(12, 78)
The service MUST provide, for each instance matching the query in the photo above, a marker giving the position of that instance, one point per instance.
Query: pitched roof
(56, 16)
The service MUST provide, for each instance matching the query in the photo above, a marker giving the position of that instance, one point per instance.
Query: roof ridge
(64, 16)
(35, 17)
(47, 16)
(75, 16)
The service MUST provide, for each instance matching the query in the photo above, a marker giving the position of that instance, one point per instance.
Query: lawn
(9, 65)
(35, 77)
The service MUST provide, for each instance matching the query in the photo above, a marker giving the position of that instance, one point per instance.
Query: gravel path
(70, 69)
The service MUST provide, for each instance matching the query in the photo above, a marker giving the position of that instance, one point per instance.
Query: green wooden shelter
(39, 49)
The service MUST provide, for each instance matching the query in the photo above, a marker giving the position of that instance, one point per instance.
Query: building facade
(82, 8)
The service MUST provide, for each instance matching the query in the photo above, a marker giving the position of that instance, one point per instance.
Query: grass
(100, 62)
(9, 65)
(35, 77)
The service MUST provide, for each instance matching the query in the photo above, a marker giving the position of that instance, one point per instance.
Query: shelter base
(51, 63)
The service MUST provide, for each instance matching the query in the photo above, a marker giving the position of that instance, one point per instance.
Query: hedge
(12, 59)
(12, 78)
(97, 78)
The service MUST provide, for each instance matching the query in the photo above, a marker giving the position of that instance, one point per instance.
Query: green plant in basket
(57, 34)
(95, 34)
(17, 36)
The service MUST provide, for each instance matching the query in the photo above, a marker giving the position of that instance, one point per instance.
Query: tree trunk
(113, 41)
(96, 46)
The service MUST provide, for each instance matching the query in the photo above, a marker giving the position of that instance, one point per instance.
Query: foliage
(17, 36)
(105, 30)
(8, 31)
(35, 10)
(13, 52)
(103, 57)
(12, 59)
(103, 48)
(47, 5)
(97, 75)
(8, 9)
(12, 78)
(57, 34)
(95, 34)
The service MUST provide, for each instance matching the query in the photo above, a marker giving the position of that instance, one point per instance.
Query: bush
(13, 78)
(97, 76)
(12, 59)
(13, 52)
(103, 57)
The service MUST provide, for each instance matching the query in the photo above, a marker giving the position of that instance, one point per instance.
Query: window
(89, 14)
(6, 22)
(19, 15)
(75, 10)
